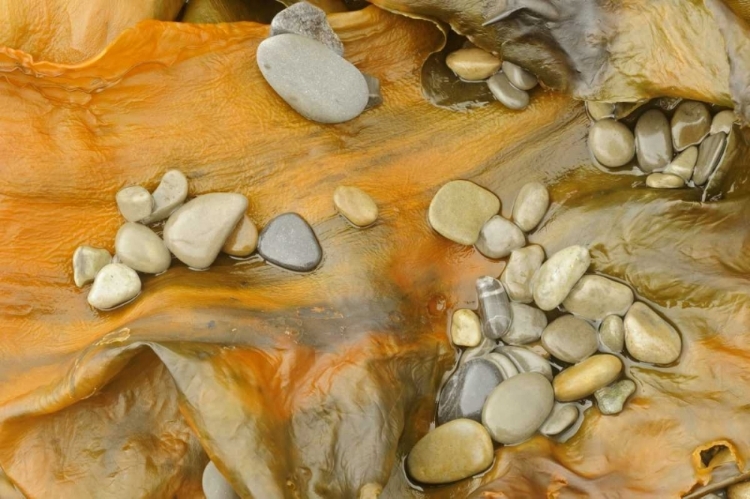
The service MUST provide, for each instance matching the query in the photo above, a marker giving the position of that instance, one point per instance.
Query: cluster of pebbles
(547, 336)
(195, 232)
(508, 82)
(689, 148)
(303, 61)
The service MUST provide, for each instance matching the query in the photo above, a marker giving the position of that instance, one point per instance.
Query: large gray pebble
(168, 196)
(306, 20)
(289, 242)
(595, 297)
(611, 143)
(557, 276)
(141, 249)
(508, 95)
(114, 285)
(316, 82)
(499, 237)
(527, 326)
(87, 262)
(215, 486)
(570, 339)
(464, 393)
(522, 265)
(653, 141)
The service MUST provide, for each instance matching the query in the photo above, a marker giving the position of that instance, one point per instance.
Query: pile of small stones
(195, 232)
(546, 335)
(687, 149)
(303, 61)
(508, 82)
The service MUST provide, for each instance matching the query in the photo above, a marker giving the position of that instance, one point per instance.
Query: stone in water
(168, 196)
(114, 285)
(460, 209)
(289, 242)
(494, 307)
(355, 205)
(499, 237)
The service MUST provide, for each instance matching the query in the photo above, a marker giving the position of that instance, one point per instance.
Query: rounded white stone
(499, 237)
(557, 276)
(141, 249)
(135, 203)
(87, 262)
(466, 330)
(611, 143)
(168, 196)
(530, 206)
(508, 95)
(594, 297)
(519, 77)
(114, 285)
(664, 181)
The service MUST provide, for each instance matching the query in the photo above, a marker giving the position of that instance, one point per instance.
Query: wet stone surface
(611, 399)
(289, 242)
(464, 393)
(494, 307)
(653, 141)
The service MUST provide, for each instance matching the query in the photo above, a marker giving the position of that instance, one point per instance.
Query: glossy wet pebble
(473, 64)
(600, 110)
(526, 361)
(506, 366)
(522, 265)
(315, 81)
(309, 21)
(560, 419)
(595, 297)
(570, 339)
(653, 141)
(464, 393)
(612, 334)
(530, 206)
(466, 330)
(722, 122)
(168, 196)
(141, 249)
(664, 181)
(709, 156)
(682, 165)
(289, 242)
(527, 326)
(611, 143)
(508, 95)
(215, 486)
(517, 407)
(87, 262)
(557, 276)
(460, 209)
(649, 338)
(243, 240)
(691, 122)
(197, 231)
(355, 205)
(494, 307)
(611, 399)
(114, 285)
(519, 77)
(451, 452)
(582, 380)
(135, 203)
(499, 237)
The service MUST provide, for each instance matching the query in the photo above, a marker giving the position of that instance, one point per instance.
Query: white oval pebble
(530, 206)
(518, 76)
(141, 249)
(508, 95)
(557, 276)
(499, 237)
(611, 143)
(114, 285)
(168, 196)
(87, 262)
(594, 297)
(664, 181)
(135, 203)
(527, 326)
(649, 338)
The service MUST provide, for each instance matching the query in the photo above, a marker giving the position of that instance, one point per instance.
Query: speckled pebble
(135, 203)
(611, 399)
(114, 285)
(307, 20)
(289, 242)
(168, 196)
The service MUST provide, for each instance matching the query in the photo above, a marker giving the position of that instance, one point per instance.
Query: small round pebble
(582, 380)
(114, 285)
(499, 237)
(355, 205)
(562, 417)
(611, 143)
(168, 196)
(508, 95)
(570, 339)
(557, 276)
(473, 64)
(665, 181)
(466, 331)
(519, 77)
(135, 203)
(653, 141)
(530, 206)
(683, 164)
(522, 265)
(459, 210)
(243, 240)
(612, 334)
(611, 399)
(527, 326)
(289, 242)
(722, 122)
(691, 122)
(594, 297)
(87, 262)
(215, 486)
(649, 338)
(141, 249)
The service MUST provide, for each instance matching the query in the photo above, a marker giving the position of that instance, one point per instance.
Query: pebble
(141, 249)
(611, 399)
(451, 452)
(114, 285)
(499, 237)
(653, 141)
(355, 205)
(709, 156)
(722, 122)
(472, 64)
(135, 203)
(215, 486)
(557, 276)
(506, 366)
(527, 325)
(306, 20)
(611, 143)
(197, 231)
(562, 417)
(168, 196)
(691, 122)
(530, 206)
(87, 262)
(739, 491)
(508, 95)
(517, 407)
(243, 240)
(526, 361)
(522, 265)
(582, 380)
(289, 242)
(649, 338)
(570, 339)
(374, 97)
(600, 110)
(519, 77)
(485, 346)
(466, 390)
(595, 297)
(466, 331)
(612, 334)
(460, 209)
(494, 307)
(682, 165)
(315, 81)
(664, 181)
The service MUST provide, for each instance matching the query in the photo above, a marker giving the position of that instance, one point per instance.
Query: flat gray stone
(560, 419)
(459, 210)
(594, 297)
(612, 334)
(518, 76)
(315, 81)
(309, 21)
(527, 326)
(522, 265)
(87, 262)
(508, 95)
(709, 156)
(141, 249)
(570, 339)
(649, 338)
(135, 203)
(485, 346)
(611, 143)
(289, 242)
(494, 307)
(653, 141)
(499, 237)
(464, 393)
(557, 276)
(215, 486)
(611, 399)
(168, 196)
(530, 206)
(526, 361)
(114, 285)
(691, 122)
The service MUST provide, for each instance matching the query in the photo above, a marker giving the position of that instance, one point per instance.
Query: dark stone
(289, 242)
(494, 307)
(464, 394)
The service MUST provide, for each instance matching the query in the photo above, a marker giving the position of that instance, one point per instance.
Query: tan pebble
(612, 334)
(684, 163)
(168, 196)
(582, 380)
(460, 209)
(473, 64)
(739, 491)
(522, 265)
(557, 276)
(530, 206)
(356, 205)
(466, 330)
(243, 240)
(649, 338)
(600, 110)
(594, 297)
(505, 93)
(518, 76)
(664, 181)
(722, 122)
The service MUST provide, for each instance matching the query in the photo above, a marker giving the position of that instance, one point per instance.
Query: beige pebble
(582, 380)
(243, 240)
(466, 330)
(690, 123)
(594, 297)
(460, 209)
(664, 181)
(649, 338)
(499, 237)
(530, 206)
(522, 265)
(87, 262)
(168, 196)
(355, 205)
(600, 110)
(611, 143)
(684, 163)
(505, 93)
(138, 247)
(135, 203)
(722, 122)
(473, 64)
(560, 419)
(518, 76)
(527, 325)
(612, 334)
(114, 285)
(653, 141)
(570, 339)
(557, 276)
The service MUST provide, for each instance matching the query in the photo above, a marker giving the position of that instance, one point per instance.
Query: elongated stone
(582, 380)
(306, 20)
(243, 240)
(141, 249)
(464, 393)
(612, 334)
(611, 399)
(729, 157)
(557, 276)
(494, 307)
(649, 338)
(472, 64)
(87, 262)
(611, 143)
(722, 122)
(519, 77)
(527, 361)
(499, 237)
(215, 486)
(595, 297)
(709, 156)
(506, 366)
(466, 330)
(459, 210)
(664, 181)
(508, 95)
(114, 285)
(683, 164)
(560, 419)
(691, 122)
(522, 265)
(355, 205)
(530, 206)
(570, 339)
(653, 141)
(168, 196)
(527, 325)
(135, 203)
(289, 242)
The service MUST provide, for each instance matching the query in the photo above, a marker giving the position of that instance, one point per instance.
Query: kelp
(318, 385)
